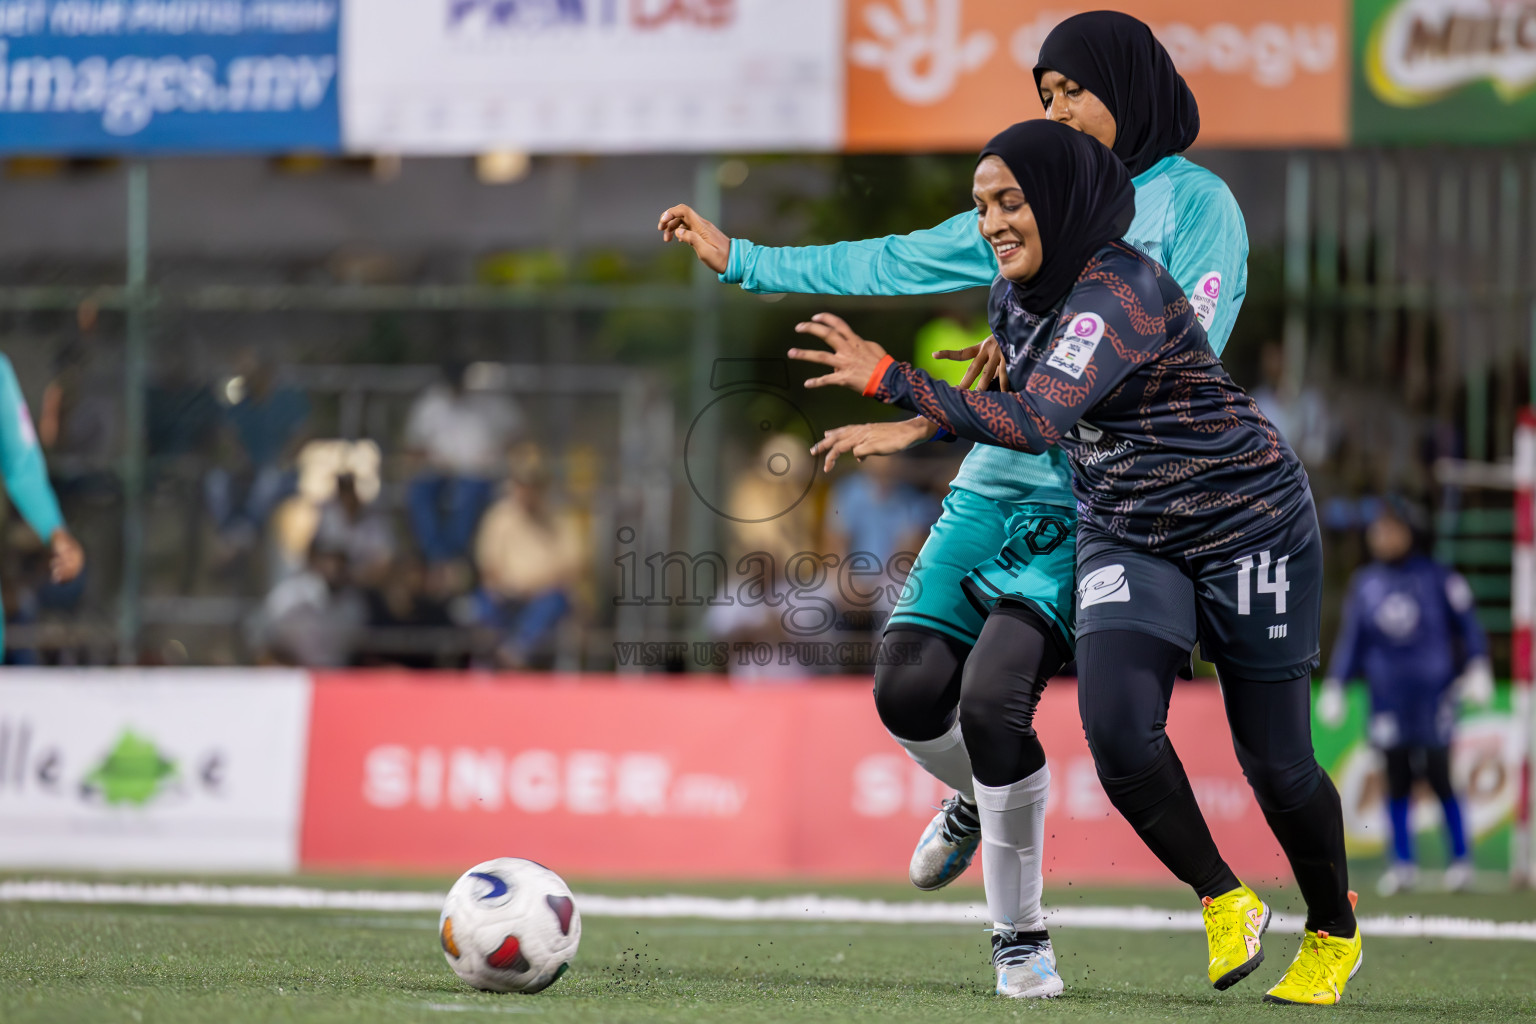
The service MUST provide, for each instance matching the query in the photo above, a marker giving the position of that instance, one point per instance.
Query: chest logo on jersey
(1204, 301)
(1074, 351)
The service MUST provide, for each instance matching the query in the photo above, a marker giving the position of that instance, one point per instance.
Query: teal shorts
(982, 551)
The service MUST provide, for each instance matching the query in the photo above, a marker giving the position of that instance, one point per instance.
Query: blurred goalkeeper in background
(26, 480)
(1410, 631)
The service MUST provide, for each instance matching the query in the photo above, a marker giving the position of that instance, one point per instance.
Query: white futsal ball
(509, 925)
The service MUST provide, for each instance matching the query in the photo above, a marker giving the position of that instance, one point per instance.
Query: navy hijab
(1119, 60)
(1081, 196)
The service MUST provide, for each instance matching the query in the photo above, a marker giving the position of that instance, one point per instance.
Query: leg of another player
(916, 697)
(1402, 872)
(1125, 681)
(1437, 769)
(1001, 685)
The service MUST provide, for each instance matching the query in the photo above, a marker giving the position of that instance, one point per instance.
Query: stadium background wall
(408, 77)
(279, 771)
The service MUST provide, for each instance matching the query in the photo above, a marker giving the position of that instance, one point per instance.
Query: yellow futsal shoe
(1323, 966)
(1234, 924)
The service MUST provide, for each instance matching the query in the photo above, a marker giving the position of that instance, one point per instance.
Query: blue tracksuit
(1409, 629)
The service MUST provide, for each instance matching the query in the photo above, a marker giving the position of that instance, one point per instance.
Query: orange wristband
(873, 384)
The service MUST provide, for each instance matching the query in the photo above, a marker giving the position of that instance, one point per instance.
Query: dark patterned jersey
(1167, 453)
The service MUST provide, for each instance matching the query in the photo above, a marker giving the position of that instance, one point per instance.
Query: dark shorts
(1254, 608)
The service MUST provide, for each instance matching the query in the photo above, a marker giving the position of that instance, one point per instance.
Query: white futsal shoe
(1460, 875)
(1400, 877)
(1026, 965)
(948, 845)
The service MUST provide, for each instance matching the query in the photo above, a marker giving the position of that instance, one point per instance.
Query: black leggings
(1404, 765)
(1125, 681)
(995, 686)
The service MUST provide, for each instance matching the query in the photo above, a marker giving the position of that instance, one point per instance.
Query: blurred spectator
(357, 530)
(772, 516)
(875, 510)
(400, 601)
(1302, 419)
(79, 418)
(1410, 630)
(878, 514)
(530, 558)
(462, 436)
(267, 422)
(312, 618)
(771, 511)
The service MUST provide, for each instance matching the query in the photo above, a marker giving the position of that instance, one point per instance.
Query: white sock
(1013, 837)
(945, 758)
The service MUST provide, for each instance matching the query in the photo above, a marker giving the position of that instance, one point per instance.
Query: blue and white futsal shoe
(1026, 965)
(947, 846)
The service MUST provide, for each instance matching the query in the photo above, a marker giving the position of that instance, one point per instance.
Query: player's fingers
(827, 381)
(968, 378)
(835, 447)
(678, 212)
(813, 355)
(829, 439)
(986, 371)
(822, 331)
(838, 325)
(957, 354)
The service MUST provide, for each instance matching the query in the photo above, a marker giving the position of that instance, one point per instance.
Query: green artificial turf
(119, 963)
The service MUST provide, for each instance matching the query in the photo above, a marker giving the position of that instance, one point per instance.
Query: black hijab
(1080, 194)
(1119, 60)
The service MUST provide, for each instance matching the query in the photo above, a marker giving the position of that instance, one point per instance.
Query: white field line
(787, 908)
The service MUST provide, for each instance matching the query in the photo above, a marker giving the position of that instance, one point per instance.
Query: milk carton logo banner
(466, 76)
(1421, 50)
(1445, 70)
(170, 769)
(111, 76)
(948, 74)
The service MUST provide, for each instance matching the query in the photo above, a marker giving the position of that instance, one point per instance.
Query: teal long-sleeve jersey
(1186, 219)
(21, 459)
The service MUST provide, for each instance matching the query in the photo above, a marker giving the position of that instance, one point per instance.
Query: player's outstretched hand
(865, 439)
(711, 245)
(852, 359)
(986, 364)
(68, 556)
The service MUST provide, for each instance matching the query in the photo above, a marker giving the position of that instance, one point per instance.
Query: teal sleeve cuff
(736, 266)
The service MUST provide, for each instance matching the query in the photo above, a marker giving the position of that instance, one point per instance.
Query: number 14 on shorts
(1271, 580)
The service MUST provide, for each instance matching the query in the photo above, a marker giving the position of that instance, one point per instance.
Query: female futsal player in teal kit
(990, 598)
(26, 480)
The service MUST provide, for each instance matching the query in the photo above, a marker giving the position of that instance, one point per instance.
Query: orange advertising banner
(598, 777)
(950, 74)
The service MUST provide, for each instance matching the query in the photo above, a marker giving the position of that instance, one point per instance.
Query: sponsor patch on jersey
(1074, 351)
(1104, 586)
(1207, 295)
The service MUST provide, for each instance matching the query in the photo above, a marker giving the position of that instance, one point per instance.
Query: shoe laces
(1318, 960)
(1221, 923)
(961, 821)
(1008, 950)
